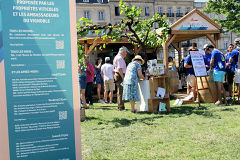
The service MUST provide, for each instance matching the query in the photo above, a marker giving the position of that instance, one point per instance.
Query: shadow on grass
(123, 122)
(188, 110)
(106, 108)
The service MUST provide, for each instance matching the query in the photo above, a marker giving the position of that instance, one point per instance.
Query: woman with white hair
(130, 82)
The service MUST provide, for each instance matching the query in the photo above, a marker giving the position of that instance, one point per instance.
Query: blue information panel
(36, 47)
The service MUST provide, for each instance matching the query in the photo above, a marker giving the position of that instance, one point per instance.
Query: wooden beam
(171, 40)
(212, 40)
(175, 46)
(91, 48)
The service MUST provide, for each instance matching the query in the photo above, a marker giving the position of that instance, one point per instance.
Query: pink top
(90, 75)
(119, 62)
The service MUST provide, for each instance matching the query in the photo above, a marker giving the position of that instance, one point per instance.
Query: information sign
(198, 63)
(38, 67)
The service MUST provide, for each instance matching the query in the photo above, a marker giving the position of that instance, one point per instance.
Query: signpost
(39, 94)
(200, 72)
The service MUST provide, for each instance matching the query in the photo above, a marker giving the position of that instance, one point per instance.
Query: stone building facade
(108, 11)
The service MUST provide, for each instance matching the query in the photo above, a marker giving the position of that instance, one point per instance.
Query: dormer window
(85, 0)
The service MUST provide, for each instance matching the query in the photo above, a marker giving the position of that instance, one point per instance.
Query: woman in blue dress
(130, 82)
(82, 82)
(99, 79)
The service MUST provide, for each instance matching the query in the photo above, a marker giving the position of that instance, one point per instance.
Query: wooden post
(179, 53)
(216, 38)
(86, 48)
(165, 57)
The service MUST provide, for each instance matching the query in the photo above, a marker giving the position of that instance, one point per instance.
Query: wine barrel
(174, 81)
(205, 95)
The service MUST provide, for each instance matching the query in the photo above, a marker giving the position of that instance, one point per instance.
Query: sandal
(134, 111)
(86, 107)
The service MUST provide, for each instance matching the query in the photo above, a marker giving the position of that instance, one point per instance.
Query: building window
(169, 12)
(160, 11)
(187, 10)
(117, 11)
(179, 14)
(85, 0)
(225, 44)
(86, 14)
(100, 1)
(100, 15)
(147, 11)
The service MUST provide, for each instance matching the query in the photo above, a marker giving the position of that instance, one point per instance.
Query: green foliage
(229, 8)
(138, 31)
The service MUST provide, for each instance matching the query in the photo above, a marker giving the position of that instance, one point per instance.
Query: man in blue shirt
(208, 48)
(218, 65)
(190, 72)
(235, 57)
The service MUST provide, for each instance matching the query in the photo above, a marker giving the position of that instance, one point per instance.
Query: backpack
(181, 68)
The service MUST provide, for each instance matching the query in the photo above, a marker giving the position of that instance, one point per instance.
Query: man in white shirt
(107, 74)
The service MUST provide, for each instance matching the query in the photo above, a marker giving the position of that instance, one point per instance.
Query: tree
(230, 9)
(138, 31)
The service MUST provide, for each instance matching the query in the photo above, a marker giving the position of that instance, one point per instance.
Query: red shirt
(90, 75)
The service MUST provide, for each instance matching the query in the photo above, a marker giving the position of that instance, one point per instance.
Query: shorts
(229, 77)
(190, 80)
(237, 76)
(83, 82)
(109, 85)
(218, 76)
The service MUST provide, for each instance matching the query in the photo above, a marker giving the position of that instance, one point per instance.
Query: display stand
(196, 92)
(153, 102)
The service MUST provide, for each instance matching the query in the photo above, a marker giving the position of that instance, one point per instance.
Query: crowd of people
(220, 66)
(125, 78)
(108, 75)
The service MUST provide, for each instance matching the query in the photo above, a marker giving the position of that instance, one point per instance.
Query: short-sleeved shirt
(107, 70)
(90, 75)
(235, 57)
(231, 67)
(118, 63)
(219, 60)
(131, 76)
(207, 59)
(189, 71)
(84, 72)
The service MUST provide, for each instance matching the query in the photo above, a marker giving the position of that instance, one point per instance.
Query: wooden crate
(154, 83)
(153, 104)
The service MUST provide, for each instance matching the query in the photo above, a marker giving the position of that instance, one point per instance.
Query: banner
(39, 83)
(198, 63)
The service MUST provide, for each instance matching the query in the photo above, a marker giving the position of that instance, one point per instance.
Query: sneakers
(100, 101)
(178, 102)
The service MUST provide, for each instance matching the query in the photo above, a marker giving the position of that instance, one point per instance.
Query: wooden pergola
(193, 25)
(91, 43)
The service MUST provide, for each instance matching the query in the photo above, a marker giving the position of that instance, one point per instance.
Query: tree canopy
(133, 27)
(230, 9)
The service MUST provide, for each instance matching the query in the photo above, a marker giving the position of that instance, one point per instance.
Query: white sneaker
(101, 101)
(176, 102)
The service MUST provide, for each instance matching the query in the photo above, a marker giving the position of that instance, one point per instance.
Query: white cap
(107, 59)
(205, 46)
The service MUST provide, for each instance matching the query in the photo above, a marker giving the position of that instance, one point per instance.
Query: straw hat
(137, 57)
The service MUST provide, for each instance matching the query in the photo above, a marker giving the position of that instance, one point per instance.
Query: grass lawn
(188, 132)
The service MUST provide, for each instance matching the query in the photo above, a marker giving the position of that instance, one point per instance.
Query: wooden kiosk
(193, 25)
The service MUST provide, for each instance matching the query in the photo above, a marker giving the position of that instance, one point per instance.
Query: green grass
(188, 132)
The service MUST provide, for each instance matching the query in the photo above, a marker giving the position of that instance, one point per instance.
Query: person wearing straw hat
(130, 82)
